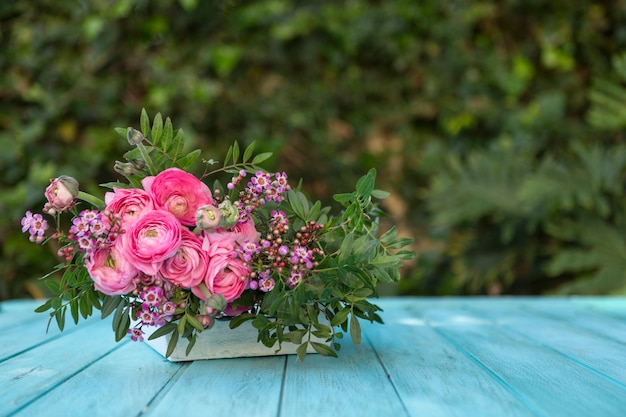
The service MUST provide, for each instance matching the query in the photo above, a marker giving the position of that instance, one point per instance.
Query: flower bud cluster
(261, 188)
(35, 225)
(279, 253)
(92, 230)
(153, 305)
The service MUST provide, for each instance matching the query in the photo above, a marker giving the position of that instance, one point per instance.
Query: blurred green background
(497, 125)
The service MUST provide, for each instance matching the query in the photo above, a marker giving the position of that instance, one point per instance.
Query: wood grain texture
(452, 356)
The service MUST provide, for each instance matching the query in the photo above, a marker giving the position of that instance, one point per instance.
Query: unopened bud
(134, 136)
(124, 168)
(230, 214)
(208, 217)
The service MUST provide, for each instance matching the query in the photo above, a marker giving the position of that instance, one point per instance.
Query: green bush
(473, 113)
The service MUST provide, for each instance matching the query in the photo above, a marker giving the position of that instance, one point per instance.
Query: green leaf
(54, 286)
(340, 317)
(248, 152)
(240, 319)
(355, 329)
(74, 310)
(172, 344)
(194, 322)
(121, 131)
(261, 157)
(44, 307)
(163, 330)
(85, 306)
(301, 351)
(59, 316)
(157, 129)
(186, 161)
(365, 185)
(123, 325)
(144, 122)
(168, 135)
(110, 304)
(192, 343)
(380, 194)
(235, 152)
(181, 324)
(297, 204)
(389, 235)
(323, 349)
(344, 197)
(229, 153)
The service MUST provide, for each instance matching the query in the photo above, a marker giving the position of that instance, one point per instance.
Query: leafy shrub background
(497, 125)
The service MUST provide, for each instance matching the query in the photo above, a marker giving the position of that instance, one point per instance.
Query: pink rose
(111, 273)
(129, 203)
(227, 274)
(178, 192)
(150, 240)
(61, 193)
(188, 266)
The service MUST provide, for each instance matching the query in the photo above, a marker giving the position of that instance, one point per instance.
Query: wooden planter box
(221, 342)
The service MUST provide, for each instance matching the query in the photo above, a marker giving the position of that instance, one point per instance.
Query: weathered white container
(221, 342)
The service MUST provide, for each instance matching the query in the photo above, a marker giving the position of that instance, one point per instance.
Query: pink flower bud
(61, 193)
(208, 217)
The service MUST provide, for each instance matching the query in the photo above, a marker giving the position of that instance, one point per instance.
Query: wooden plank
(355, 384)
(121, 383)
(434, 378)
(588, 348)
(18, 312)
(584, 316)
(36, 371)
(224, 387)
(546, 381)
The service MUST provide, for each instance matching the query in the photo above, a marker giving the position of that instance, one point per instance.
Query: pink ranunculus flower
(227, 274)
(188, 266)
(131, 203)
(150, 240)
(245, 232)
(179, 192)
(111, 272)
(61, 193)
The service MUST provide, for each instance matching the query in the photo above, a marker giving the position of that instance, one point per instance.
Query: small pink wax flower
(61, 194)
(179, 192)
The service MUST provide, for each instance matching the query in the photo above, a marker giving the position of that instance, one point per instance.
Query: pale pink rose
(227, 274)
(150, 240)
(61, 193)
(188, 266)
(178, 192)
(131, 203)
(111, 272)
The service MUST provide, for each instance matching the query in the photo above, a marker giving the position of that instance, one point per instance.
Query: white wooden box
(219, 342)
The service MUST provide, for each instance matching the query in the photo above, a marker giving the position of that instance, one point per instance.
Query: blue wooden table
(433, 357)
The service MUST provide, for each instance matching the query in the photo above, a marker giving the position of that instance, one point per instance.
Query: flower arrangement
(164, 249)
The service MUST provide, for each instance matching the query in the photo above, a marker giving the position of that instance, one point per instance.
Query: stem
(146, 157)
(94, 201)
